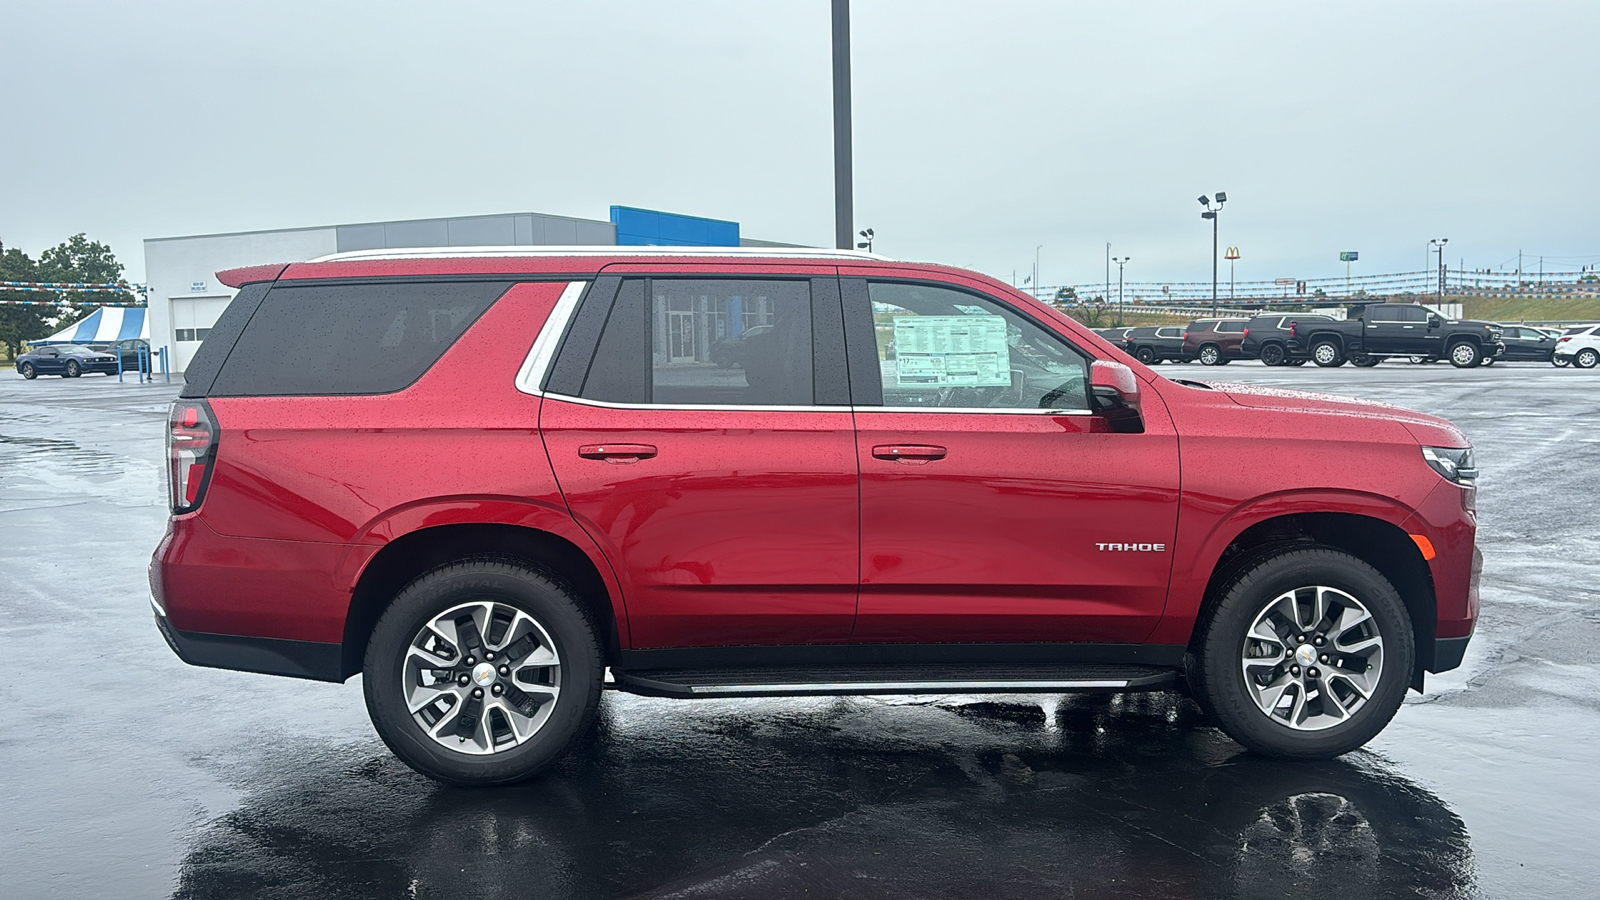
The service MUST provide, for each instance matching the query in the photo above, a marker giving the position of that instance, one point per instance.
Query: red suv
(482, 479)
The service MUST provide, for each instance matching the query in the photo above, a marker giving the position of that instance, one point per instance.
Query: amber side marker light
(1425, 545)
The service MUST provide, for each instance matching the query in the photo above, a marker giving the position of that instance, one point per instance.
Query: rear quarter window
(341, 339)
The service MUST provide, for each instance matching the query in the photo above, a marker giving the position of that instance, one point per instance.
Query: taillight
(1246, 333)
(1291, 328)
(1563, 340)
(191, 451)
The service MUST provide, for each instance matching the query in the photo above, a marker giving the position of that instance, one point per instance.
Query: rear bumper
(269, 656)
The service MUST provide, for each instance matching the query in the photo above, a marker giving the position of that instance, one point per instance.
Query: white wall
(185, 268)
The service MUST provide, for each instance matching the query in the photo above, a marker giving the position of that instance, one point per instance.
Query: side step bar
(838, 680)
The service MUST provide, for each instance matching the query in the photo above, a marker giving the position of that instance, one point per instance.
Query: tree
(81, 260)
(78, 260)
(20, 323)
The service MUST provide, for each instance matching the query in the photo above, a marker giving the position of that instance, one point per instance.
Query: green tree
(79, 259)
(19, 322)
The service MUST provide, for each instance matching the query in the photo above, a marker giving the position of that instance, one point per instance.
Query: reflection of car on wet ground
(66, 360)
(1580, 347)
(731, 351)
(994, 510)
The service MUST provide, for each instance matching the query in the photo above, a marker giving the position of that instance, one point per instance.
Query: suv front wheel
(1307, 655)
(482, 672)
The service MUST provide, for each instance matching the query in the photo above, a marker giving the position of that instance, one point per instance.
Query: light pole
(1120, 261)
(1438, 243)
(1211, 213)
(843, 202)
(1036, 269)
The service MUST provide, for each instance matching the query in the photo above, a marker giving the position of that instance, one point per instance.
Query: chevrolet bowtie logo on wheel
(1134, 548)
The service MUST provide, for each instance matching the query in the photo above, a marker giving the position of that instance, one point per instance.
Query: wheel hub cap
(1306, 655)
(483, 674)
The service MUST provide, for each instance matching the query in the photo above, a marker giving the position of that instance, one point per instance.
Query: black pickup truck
(1378, 330)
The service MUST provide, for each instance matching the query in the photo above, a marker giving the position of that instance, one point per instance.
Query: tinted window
(1173, 332)
(706, 342)
(1230, 327)
(1382, 314)
(349, 338)
(943, 348)
(1413, 314)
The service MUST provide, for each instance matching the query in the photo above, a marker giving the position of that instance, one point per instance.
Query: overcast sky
(982, 129)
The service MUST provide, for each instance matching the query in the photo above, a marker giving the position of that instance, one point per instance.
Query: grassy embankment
(1531, 309)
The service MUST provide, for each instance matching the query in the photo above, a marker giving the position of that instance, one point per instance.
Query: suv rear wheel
(1146, 355)
(1306, 656)
(482, 672)
(1272, 354)
(1210, 355)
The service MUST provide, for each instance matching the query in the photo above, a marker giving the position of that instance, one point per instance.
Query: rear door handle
(909, 452)
(617, 453)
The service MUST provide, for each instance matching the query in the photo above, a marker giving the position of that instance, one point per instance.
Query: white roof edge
(597, 250)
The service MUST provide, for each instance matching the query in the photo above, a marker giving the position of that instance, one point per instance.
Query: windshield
(78, 351)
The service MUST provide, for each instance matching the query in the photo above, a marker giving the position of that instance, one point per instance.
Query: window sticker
(965, 351)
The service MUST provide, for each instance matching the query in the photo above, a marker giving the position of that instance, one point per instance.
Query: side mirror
(1435, 321)
(1114, 391)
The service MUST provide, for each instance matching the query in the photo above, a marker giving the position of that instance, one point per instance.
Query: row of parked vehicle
(1371, 334)
(73, 360)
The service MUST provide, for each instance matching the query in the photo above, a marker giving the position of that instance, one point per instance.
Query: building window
(185, 334)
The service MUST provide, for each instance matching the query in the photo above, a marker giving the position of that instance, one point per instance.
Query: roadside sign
(1283, 281)
(1233, 253)
(1348, 256)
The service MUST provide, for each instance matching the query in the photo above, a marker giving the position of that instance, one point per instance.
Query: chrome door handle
(617, 453)
(909, 452)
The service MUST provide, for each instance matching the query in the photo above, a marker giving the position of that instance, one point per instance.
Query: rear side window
(349, 338)
(207, 362)
(1230, 327)
(700, 342)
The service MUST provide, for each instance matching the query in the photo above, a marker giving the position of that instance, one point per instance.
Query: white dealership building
(185, 298)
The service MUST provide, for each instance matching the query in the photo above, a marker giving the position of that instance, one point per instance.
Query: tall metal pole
(1108, 273)
(1036, 269)
(1214, 261)
(843, 188)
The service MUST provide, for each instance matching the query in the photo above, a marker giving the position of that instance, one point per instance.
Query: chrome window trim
(544, 346)
(733, 407)
(600, 250)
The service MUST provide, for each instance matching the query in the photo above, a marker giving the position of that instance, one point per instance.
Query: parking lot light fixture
(1212, 214)
(1120, 261)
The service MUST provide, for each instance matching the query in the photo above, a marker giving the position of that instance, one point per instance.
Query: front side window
(1413, 314)
(710, 342)
(947, 349)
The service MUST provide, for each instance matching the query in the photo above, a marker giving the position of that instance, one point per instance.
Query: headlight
(1454, 464)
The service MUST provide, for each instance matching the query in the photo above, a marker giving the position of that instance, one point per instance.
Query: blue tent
(106, 325)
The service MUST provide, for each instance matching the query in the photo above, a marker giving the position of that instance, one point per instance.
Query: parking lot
(125, 773)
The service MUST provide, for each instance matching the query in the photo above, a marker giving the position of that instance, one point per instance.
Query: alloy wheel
(1312, 658)
(1586, 358)
(481, 677)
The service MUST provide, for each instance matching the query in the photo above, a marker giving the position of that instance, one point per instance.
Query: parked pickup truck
(1390, 329)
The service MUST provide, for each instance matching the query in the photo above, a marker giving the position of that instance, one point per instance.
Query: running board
(836, 680)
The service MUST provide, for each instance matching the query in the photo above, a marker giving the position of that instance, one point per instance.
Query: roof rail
(597, 250)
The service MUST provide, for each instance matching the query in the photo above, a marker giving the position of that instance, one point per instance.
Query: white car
(1580, 346)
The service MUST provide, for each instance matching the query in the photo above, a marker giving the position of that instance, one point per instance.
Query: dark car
(1527, 343)
(730, 351)
(1215, 342)
(1267, 338)
(1117, 336)
(130, 350)
(1153, 344)
(66, 360)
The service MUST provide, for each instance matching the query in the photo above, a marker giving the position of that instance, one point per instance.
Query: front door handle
(909, 452)
(617, 453)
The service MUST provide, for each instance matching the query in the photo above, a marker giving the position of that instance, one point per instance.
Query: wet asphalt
(125, 773)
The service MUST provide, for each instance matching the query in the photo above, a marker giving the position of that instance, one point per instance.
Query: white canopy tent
(106, 325)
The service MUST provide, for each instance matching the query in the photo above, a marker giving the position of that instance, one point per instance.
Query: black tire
(1465, 355)
(1218, 679)
(1586, 358)
(549, 602)
(1560, 362)
(1224, 361)
(1297, 362)
(1367, 362)
(1327, 354)
(28, 371)
(1272, 354)
(1210, 355)
(1146, 355)
(73, 370)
